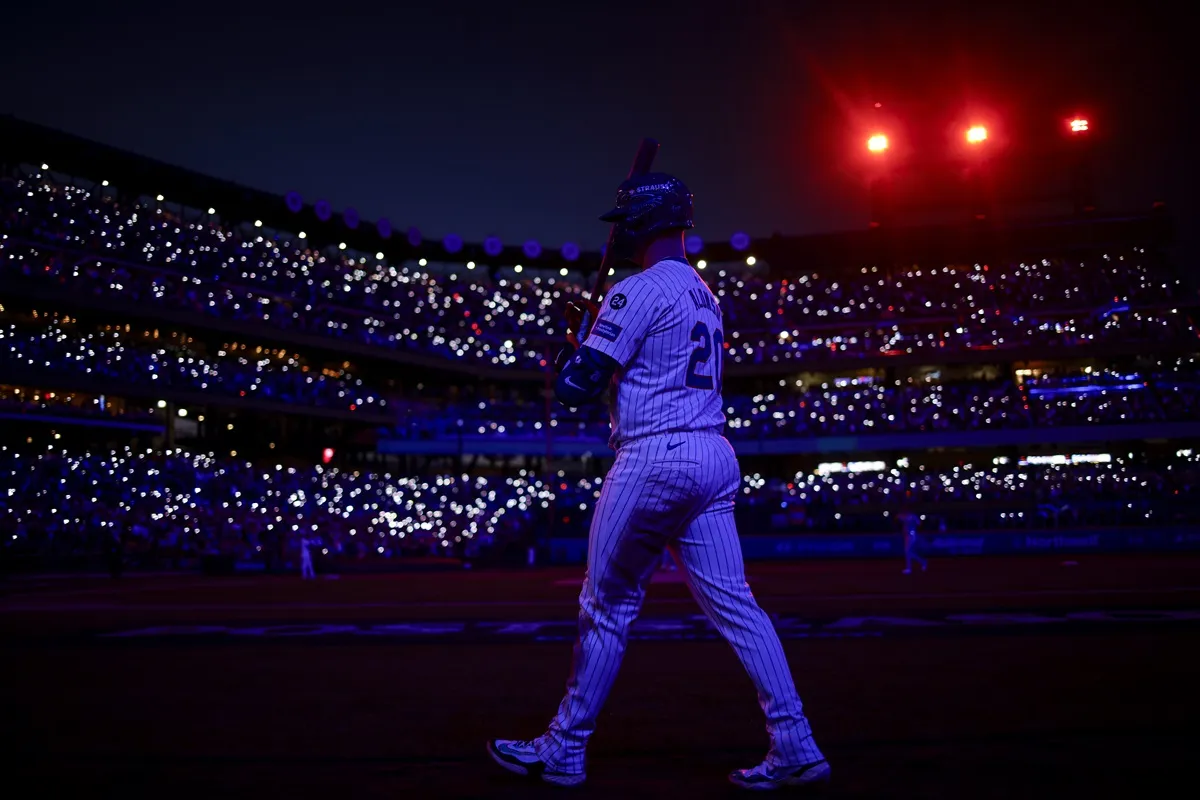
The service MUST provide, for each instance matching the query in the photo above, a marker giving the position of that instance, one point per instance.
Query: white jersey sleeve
(630, 312)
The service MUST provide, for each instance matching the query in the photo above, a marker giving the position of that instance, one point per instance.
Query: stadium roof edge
(27, 142)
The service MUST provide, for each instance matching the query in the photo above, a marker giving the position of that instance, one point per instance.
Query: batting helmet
(646, 206)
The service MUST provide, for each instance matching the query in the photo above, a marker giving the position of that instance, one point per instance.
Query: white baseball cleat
(521, 757)
(763, 778)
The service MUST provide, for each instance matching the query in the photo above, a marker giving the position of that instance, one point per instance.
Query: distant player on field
(909, 524)
(306, 564)
(659, 339)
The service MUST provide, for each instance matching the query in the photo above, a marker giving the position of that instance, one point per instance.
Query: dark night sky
(484, 118)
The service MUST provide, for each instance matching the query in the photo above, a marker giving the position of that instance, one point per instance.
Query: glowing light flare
(877, 143)
(1079, 125)
(976, 134)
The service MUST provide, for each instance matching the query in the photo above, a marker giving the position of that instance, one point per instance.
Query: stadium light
(327, 455)
(877, 143)
(977, 134)
(1079, 125)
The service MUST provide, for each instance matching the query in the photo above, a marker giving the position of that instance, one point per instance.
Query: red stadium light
(976, 134)
(1079, 125)
(327, 455)
(877, 143)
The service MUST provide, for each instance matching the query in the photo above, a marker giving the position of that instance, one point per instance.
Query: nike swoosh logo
(673, 446)
(567, 380)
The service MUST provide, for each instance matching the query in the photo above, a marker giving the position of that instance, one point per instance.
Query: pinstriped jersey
(663, 326)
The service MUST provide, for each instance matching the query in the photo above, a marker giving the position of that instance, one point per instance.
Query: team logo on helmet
(646, 206)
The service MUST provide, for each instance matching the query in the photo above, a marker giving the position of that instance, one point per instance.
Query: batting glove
(580, 316)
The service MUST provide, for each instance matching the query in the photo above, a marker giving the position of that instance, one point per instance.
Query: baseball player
(909, 523)
(657, 343)
(306, 565)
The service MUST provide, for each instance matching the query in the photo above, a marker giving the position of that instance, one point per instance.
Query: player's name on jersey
(704, 300)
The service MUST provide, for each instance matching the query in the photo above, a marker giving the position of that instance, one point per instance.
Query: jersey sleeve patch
(607, 329)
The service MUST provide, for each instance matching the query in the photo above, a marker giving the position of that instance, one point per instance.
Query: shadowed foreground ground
(983, 678)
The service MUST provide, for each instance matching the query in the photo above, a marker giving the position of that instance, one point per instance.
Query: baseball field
(986, 677)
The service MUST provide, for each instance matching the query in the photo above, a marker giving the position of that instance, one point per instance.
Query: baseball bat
(642, 161)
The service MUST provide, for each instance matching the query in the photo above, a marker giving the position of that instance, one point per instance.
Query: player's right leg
(643, 503)
(711, 556)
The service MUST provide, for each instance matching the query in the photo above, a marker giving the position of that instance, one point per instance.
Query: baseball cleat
(764, 778)
(522, 758)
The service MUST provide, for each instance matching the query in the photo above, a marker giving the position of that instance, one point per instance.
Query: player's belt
(709, 431)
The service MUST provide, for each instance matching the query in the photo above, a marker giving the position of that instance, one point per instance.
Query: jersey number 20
(701, 355)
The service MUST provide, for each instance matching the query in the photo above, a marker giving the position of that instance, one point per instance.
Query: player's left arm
(633, 307)
(584, 378)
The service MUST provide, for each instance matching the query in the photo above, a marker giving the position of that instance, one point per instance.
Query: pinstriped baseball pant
(681, 498)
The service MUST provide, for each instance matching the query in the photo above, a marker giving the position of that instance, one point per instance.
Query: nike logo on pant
(673, 446)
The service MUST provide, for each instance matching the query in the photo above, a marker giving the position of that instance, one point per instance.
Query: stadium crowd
(147, 253)
(832, 408)
(178, 505)
(33, 401)
(171, 505)
(857, 407)
(115, 354)
(1104, 491)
